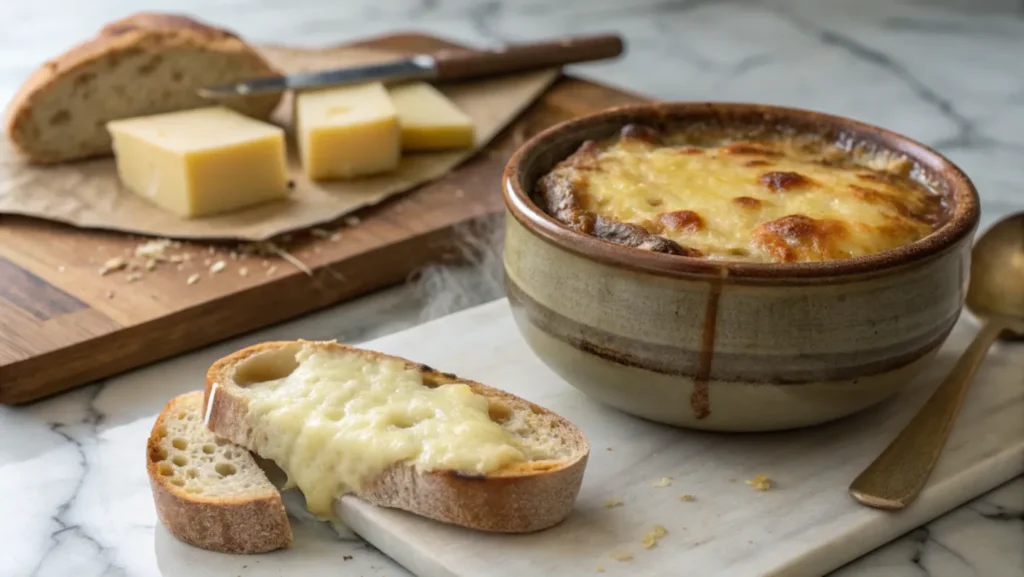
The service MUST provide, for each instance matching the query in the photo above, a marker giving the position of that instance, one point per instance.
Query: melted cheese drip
(855, 211)
(339, 420)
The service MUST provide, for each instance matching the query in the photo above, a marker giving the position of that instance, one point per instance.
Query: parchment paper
(89, 194)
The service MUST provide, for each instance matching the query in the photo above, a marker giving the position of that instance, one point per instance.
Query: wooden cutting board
(63, 325)
(804, 526)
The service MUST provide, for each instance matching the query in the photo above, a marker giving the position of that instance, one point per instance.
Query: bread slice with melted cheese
(208, 492)
(380, 402)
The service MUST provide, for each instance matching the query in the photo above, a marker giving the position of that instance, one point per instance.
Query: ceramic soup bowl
(731, 346)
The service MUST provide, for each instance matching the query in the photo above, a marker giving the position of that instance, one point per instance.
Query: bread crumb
(760, 482)
(271, 270)
(613, 502)
(652, 536)
(351, 220)
(243, 271)
(176, 258)
(320, 232)
(132, 277)
(687, 497)
(61, 268)
(346, 558)
(193, 279)
(662, 482)
(114, 264)
(110, 294)
(150, 264)
(154, 249)
(623, 556)
(218, 267)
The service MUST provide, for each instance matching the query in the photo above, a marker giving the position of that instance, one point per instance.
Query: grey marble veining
(947, 72)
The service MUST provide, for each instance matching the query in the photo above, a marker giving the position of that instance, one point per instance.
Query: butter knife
(449, 64)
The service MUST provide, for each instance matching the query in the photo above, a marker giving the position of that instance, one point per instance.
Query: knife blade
(451, 64)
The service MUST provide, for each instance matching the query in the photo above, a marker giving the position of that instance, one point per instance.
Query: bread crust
(229, 525)
(146, 31)
(521, 498)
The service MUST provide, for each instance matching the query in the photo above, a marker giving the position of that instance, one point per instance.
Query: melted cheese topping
(770, 201)
(340, 419)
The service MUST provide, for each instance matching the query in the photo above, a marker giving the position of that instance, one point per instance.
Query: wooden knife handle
(463, 64)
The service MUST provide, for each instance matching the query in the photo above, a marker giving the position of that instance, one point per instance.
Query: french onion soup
(740, 196)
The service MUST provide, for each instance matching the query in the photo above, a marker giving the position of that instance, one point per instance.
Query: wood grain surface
(62, 324)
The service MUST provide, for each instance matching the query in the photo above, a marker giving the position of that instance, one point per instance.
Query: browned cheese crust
(141, 33)
(227, 524)
(907, 209)
(521, 498)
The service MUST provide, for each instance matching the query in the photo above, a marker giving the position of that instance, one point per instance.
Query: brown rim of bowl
(957, 188)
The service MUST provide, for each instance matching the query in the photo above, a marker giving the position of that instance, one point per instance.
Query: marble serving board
(805, 525)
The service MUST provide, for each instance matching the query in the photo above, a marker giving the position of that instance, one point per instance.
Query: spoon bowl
(997, 275)
(995, 295)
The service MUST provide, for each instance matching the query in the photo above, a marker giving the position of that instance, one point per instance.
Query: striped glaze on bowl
(724, 345)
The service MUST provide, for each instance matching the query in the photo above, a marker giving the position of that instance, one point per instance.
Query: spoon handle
(897, 476)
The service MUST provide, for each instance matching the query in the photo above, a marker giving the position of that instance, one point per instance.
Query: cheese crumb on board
(624, 556)
(652, 536)
(429, 120)
(760, 482)
(201, 162)
(347, 132)
(193, 279)
(662, 482)
(218, 267)
(613, 502)
(244, 271)
(351, 220)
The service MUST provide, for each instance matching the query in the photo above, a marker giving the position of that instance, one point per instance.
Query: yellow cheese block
(347, 132)
(201, 162)
(429, 120)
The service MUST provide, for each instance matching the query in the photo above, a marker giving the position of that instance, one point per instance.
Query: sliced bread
(522, 496)
(147, 63)
(209, 492)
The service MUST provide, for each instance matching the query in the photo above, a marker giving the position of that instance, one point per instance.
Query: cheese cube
(347, 132)
(429, 120)
(201, 162)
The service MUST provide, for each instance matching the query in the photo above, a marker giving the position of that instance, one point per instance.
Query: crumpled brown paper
(89, 194)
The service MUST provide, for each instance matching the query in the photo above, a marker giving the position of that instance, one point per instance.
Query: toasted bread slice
(523, 497)
(208, 492)
(147, 63)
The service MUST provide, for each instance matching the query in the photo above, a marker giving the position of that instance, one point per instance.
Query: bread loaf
(147, 63)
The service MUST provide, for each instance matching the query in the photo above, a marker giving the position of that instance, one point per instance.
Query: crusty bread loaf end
(147, 63)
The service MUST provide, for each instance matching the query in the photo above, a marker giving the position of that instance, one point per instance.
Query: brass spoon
(996, 294)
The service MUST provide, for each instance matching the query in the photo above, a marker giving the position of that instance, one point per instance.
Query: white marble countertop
(947, 72)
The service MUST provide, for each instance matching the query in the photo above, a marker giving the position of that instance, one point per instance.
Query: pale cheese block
(347, 132)
(201, 162)
(429, 120)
